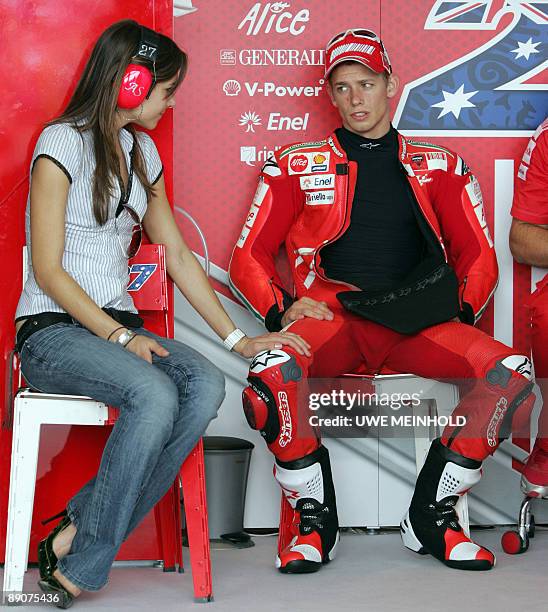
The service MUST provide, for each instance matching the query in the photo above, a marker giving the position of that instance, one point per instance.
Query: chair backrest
(148, 281)
(148, 278)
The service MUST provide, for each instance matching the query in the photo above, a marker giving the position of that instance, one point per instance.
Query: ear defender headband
(139, 79)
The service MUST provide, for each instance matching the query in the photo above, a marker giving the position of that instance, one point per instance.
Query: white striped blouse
(94, 255)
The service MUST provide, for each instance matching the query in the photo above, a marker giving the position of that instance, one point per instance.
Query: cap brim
(353, 58)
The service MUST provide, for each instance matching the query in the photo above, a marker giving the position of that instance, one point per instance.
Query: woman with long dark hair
(96, 182)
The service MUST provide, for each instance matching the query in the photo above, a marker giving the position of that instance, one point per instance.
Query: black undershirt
(383, 242)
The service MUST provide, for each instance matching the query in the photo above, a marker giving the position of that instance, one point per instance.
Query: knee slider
(501, 374)
(276, 365)
(260, 409)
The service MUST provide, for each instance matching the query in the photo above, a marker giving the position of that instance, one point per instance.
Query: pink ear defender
(139, 79)
(136, 85)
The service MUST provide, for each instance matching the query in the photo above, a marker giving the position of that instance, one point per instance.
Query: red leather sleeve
(252, 270)
(467, 239)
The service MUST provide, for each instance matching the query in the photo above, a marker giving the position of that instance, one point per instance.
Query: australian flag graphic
(486, 90)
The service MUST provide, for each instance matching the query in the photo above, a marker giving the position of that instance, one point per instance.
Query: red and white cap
(357, 45)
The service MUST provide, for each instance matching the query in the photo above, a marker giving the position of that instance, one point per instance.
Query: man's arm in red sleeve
(252, 271)
(472, 254)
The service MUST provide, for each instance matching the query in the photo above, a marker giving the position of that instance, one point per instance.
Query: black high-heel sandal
(61, 597)
(47, 559)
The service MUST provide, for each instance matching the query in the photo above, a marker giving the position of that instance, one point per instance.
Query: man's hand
(307, 307)
(249, 347)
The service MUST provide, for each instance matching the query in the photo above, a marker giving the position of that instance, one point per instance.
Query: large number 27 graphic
(486, 91)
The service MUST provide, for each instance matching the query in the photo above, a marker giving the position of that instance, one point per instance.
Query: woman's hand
(249, 347)
(307, 307)
(145, 347)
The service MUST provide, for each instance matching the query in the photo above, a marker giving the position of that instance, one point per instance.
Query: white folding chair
(31, 410)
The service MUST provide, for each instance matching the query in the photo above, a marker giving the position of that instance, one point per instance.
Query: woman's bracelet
(114, 331)
(132, 337)
(125, 337)
(233, 338)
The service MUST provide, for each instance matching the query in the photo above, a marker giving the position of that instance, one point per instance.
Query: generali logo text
(272, 57)
(274, 17)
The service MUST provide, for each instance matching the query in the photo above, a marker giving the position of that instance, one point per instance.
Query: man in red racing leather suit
(364, 209)
(529, 244)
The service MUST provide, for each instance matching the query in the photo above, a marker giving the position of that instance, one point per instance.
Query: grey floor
(371, 572)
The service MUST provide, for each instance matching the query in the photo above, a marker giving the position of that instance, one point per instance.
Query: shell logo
(232, 87)
(319, 158)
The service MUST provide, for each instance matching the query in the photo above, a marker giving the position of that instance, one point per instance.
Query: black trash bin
(226, 470)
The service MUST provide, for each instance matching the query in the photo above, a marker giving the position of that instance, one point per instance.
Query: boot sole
(301, 567)
(477, 565)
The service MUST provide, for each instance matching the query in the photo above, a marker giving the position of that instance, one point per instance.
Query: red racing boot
(534, 478)
(431, 524)
(308, 487)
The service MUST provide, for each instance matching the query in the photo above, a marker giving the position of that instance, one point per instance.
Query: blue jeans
(165, 408)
